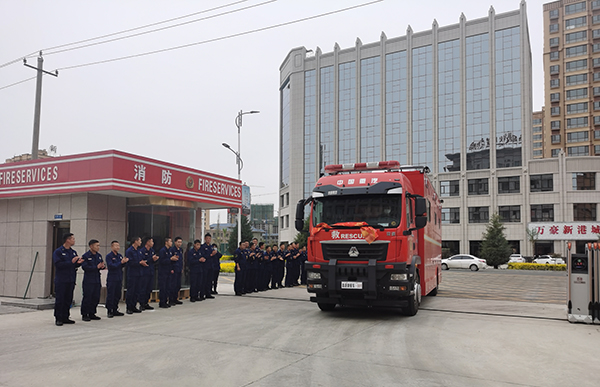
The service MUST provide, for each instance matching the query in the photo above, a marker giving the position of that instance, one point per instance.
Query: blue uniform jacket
(115, 267)
(216, 261)
(240, 258)
(177, 266)
(91, 273)
(206, 250)
(193, 260)
(164, 261)
(134, 269)
(66, 270)
(250, 258)
(147, 255)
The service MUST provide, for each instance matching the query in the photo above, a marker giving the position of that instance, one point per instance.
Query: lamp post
(240, 163)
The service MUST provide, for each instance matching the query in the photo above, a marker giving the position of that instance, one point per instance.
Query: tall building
(537, 137)
(455, 98)
(572, 77)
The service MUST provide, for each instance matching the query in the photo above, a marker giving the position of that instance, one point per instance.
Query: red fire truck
(375, 236)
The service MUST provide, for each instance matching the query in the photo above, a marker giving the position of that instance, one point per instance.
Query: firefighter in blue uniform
(268, 268)
(177, 269)
(114, 280)
(164, 273)
(194, 261)
(239, 258)
(66, 261)
(134, 272)
(281, 265)
(207, 252)
(216, 265)
(303, 259)
(147, 278)
(251, 268)
(289, 266)
(275, 264)
(91, 265)
(259, 255)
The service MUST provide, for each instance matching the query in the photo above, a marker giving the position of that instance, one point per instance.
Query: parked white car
(463, 261)
(548, 260)
(516, 258)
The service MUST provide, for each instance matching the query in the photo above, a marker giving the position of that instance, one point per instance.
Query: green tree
(302, 237)
(532, 236)
(246, 234)
(494, 246)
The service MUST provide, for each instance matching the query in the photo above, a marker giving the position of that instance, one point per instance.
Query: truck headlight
(311, 275)
(398, 277)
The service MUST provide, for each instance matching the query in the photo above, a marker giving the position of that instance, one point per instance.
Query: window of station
(541, 183)
(451, 215)
(478, 186)
(584, 212)
(584, 181)
(449, 188)
(510, 184)
(511, 214)
(479, 214)
(542, 212)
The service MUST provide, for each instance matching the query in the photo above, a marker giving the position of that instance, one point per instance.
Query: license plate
(351, 285)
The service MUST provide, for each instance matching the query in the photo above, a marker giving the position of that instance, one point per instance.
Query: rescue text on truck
(374, 236)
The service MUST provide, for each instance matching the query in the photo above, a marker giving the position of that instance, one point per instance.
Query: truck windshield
(381, 210)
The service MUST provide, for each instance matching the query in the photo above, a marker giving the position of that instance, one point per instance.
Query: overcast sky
(179, 106)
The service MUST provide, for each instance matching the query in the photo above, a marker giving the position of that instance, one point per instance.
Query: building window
(575, 51)
(451, 215)
(286, 136)
(576, 65)
(553, 42)
(542, 212)
(596, 91)
(553, 14)
(537, 121)
(537, 153)
(478, 186)
(554, 55)
(327, 114)
(422, 108)
(596, 47)
(509, 213)
(449, 188)
(595, 34)
(579, 122)
(310, 131)
(596, 133)
(583, 150)
(597, 105)
(396, 111)
(554, 97)
(584, 212)
(574, 8)
(537, 144)
(596, 122)
(596, 77)
(347, 112)
(479, 214)
(478, 120)
(555, 111)
(576, 108)
(597, 149)
(572, 80)
(555, 152)
(511, 184)
(595, 19)
(576, 93)
(541, 183)
(553, 28)
(537, 137)
(537, 129)
(574, 37)
(449, 107)
(596, 4)
(555, 139)
(554, 69)
(370, 109)
(554, 125)
(596, 62)
(584, 181)
(577, 136)
(575, 23)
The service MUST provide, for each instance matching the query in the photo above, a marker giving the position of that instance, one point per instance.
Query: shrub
(536, 266)
(227, 258)
(227, 267)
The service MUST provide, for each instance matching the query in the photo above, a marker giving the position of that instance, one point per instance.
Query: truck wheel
(444, 266)
(415, 299)
(326, 307)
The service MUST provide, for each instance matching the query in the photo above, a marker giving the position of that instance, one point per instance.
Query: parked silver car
(548, 260)
(463, 261)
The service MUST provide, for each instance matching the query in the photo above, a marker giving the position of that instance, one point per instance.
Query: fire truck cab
(374, 236)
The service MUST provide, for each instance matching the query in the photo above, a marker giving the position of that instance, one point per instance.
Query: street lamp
(240, 163)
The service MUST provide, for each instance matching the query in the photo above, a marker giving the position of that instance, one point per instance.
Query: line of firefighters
(258, 269)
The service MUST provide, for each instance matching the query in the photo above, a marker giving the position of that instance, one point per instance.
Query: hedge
(227, 267)
(536, 266)
(227, 258)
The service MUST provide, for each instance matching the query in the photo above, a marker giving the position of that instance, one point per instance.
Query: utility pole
(38, 103)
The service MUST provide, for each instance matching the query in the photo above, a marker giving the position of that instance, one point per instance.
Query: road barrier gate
(583, 285)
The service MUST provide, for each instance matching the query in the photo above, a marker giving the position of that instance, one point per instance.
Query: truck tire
(326, 307)
(415, 299)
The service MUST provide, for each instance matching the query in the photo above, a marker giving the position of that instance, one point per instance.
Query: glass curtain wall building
(456, 98)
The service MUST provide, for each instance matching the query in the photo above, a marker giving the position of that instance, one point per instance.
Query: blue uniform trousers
(195, 283)
(239, 285)
(164, 287)
(175, 283)
(113, 295)
(91, 298)
(63, 293)
(207, 281)
(215, 279)
(143, 295)
(132, 291)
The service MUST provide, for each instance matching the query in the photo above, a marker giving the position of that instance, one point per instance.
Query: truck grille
(354, 251)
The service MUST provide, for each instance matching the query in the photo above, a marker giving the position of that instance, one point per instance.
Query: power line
(16, 83)
(222, 37)
(33, 54)
(162, 28)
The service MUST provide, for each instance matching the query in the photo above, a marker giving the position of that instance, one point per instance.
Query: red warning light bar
(372, 166)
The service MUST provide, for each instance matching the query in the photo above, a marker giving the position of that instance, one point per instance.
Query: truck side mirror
(420, 206)
(420, 221)
(299, 223)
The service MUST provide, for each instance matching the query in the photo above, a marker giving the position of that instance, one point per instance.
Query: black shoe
(177, 302)
(116, 313)
(110, 314)
(148, 307)
(58, 323)
(193, 300)
(238, 294)
(129, 311)
(215, 292)
(166, 306)
(94, 317)
(172, 304)
(209, 296)
(136, 310)
(86, 318)
(68, 321)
